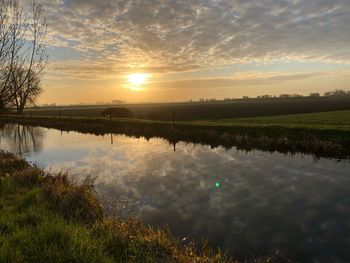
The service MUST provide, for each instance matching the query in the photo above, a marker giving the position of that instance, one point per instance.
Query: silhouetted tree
(22, 52)
(314, 95)
(284, 96)
(337, 93)
(25, 87)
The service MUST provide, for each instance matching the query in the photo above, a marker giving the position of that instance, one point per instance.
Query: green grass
(331, 119)
(45, 218)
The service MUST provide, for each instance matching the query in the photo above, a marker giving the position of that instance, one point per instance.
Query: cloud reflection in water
(264, 201)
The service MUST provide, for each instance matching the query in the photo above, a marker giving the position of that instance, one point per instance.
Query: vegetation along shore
(327, 135)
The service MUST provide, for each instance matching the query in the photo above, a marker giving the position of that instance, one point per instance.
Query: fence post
(173, 119)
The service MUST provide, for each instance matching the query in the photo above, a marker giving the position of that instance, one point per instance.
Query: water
(244, 202)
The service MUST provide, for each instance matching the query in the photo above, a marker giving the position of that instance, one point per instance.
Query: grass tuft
(78, 202)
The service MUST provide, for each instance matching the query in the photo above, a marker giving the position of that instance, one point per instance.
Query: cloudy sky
(191, 49)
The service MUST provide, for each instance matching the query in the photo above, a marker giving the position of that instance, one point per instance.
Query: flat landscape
(174, 131)
(206, 110)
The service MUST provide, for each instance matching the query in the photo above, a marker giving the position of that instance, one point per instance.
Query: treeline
(335, 93)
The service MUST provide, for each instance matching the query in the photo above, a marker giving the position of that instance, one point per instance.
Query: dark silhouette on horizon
(117, 112)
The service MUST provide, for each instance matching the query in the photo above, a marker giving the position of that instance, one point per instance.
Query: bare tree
(25, 58)
(3, 30)
(4, 50)
(26, 86)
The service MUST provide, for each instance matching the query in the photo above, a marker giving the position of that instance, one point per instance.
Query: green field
(332, 118)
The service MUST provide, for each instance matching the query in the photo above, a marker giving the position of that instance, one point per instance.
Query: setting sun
(138, 79)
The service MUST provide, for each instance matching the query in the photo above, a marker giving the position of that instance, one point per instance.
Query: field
(208, 110)
(332, 119)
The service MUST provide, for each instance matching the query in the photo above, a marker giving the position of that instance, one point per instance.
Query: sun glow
(137, 80)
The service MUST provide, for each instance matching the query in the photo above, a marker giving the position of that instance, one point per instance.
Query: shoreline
(319, 141)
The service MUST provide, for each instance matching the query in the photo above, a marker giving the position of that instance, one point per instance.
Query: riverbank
(45, 218)
(322, 139)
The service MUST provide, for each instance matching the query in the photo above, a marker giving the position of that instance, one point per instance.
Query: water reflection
(255, 201)
(21, 139)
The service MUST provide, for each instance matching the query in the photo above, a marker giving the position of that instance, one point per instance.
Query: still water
(245, 202)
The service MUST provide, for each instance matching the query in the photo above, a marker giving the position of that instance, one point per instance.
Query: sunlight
(137, 80)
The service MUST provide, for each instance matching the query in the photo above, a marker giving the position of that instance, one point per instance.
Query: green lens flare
(217, 184)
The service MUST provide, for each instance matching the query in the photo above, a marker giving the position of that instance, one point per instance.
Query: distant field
(210, 110)
(332, 118)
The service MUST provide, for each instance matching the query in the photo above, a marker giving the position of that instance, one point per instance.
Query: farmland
(207, 110)
(340, 119)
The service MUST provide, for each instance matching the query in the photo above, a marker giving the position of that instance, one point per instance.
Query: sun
(138, 79)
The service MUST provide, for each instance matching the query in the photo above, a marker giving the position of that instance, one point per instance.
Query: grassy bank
(332, 119)
(321, 134)
(45, 218)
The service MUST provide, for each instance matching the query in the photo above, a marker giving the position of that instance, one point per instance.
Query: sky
(191, 49)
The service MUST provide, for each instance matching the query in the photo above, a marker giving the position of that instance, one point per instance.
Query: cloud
(241, 79)
(182, 35)
(84, 70)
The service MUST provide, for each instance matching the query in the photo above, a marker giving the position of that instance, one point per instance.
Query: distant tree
(314, 95)
(117, 112)
(284, 96)
(22, 52)
(337, 93)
